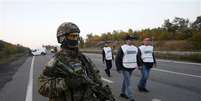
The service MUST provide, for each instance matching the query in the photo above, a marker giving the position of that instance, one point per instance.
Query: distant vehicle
(39, 51)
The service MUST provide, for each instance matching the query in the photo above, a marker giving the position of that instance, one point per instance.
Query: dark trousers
(109, 66)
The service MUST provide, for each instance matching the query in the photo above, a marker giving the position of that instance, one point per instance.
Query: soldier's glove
(51, 87)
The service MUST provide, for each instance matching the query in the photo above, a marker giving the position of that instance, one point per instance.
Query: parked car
(39, 51)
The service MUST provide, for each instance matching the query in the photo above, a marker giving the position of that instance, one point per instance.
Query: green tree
(130, 31)
(196, 25)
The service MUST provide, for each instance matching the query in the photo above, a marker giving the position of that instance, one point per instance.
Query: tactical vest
(77, 76)
(146, 53)
(130, 56)
(108, 53)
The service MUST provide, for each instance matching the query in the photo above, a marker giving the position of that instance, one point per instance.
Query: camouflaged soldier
(70, 76)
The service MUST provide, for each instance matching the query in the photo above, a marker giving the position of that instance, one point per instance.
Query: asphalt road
(170, 81)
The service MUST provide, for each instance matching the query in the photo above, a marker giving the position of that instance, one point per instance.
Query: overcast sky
(34, 22)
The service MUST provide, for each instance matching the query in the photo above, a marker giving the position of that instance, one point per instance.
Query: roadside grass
(91, 50)
(196, 57)
(186, 57)
(10, 52)
(10, 58)
(174, 45)
(163, 45)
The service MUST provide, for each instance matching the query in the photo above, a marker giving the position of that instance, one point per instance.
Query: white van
(39, 51)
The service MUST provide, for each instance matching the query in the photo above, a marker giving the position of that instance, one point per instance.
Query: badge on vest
(130, 52)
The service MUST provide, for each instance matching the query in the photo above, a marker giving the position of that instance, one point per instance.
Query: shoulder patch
(51, 63)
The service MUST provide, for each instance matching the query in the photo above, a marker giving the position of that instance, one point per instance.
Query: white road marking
(29, 93)
(161, 70)
(181, 62)
(154, 99)
(106, 80)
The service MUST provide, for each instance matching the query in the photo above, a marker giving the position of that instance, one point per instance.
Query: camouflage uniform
(70, 76)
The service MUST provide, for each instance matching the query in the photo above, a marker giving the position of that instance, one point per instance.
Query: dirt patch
(7, 70)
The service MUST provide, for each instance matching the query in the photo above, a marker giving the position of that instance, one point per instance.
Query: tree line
(170, 30)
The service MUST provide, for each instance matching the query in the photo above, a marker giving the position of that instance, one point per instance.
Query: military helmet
(66, 28)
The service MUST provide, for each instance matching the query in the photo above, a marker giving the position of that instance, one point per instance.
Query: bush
(196, 40)
(173, 45)
(7, 49)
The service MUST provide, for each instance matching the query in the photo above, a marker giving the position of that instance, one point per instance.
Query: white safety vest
(147, 53)
(130, 56)
(108, 53)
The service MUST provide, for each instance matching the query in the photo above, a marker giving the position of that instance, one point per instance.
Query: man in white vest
(148, 59)
(127, 60)
(107, 56)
